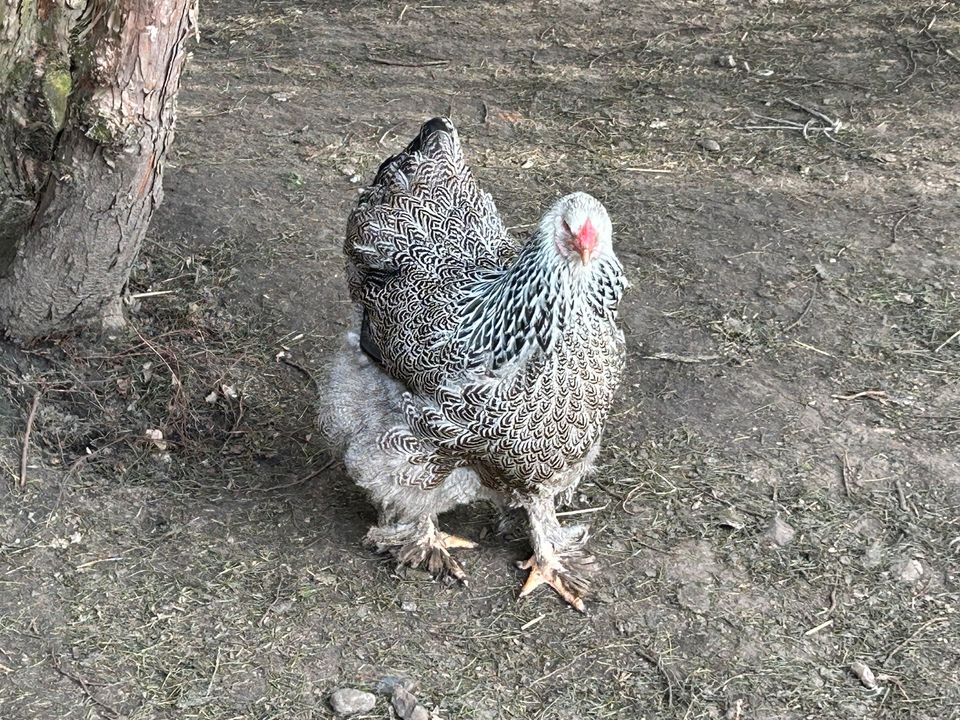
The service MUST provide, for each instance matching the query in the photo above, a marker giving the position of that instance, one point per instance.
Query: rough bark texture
(90, 104)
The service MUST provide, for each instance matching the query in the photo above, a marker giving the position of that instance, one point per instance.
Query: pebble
(864, 674)
(907, 571)
(348, 701)
(872, 556)
(710, 145)
(388, 683)
(406, 705)
(731, 518)
(779, 532)
(403, 702)
(419, 713)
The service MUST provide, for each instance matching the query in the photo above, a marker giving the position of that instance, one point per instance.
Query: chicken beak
(585, 241)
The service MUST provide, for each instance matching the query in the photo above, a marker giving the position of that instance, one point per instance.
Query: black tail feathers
(425, 142)
(427, 131)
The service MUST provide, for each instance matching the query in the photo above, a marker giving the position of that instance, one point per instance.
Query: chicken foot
(559, 559)
(419, 543)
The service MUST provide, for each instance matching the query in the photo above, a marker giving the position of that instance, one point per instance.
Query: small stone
(403, 702)
(726, 61)
(884, 157)
(348, 701)
(710, 145)
(872, 556)
(907, 571)
(864, 674)
(731, 518)
(408, 606)
(779, 532)
(419, 713)
(905, 298)
(388, 683)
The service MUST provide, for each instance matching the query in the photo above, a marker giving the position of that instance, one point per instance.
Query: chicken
(480, 368)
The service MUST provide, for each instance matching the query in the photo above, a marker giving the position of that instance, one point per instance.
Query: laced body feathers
(510, 354)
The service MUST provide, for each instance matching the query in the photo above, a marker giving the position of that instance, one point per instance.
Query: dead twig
(946, 342)
(26, 439)
(803, 314)
(938, 45)
(685, 359)
(879, 395)
(667, 673)
(213, 677)
(306, 478)
(654, 171)
(154, 293)
(845, 474)
(913, 636)
(620, 48)
(826, 126)
(811, 348)
(297, 366)
(822, 626)
(269, 609)
(407, 63)
(834, 124)
(84, 685)
(909, 211)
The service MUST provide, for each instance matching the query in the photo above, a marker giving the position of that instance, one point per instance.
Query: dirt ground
(779, 495)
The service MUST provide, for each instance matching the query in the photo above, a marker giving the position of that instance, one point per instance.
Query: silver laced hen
(481, 369)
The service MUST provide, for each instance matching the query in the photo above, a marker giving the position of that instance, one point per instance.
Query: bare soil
(783, 181)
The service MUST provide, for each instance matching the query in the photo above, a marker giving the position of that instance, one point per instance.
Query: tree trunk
(89, 90)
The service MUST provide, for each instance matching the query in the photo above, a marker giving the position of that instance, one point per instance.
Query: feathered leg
(559, 559)
(362, 417)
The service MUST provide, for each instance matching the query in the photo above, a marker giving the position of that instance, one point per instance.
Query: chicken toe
(421, 545)
(568, 584)
(455, 541)
(433, 553)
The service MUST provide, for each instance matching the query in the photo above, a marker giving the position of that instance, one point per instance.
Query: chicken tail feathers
(427, 139)
(436, 138)
(421, 231)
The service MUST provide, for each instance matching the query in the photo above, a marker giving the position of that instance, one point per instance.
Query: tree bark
(90, 89)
